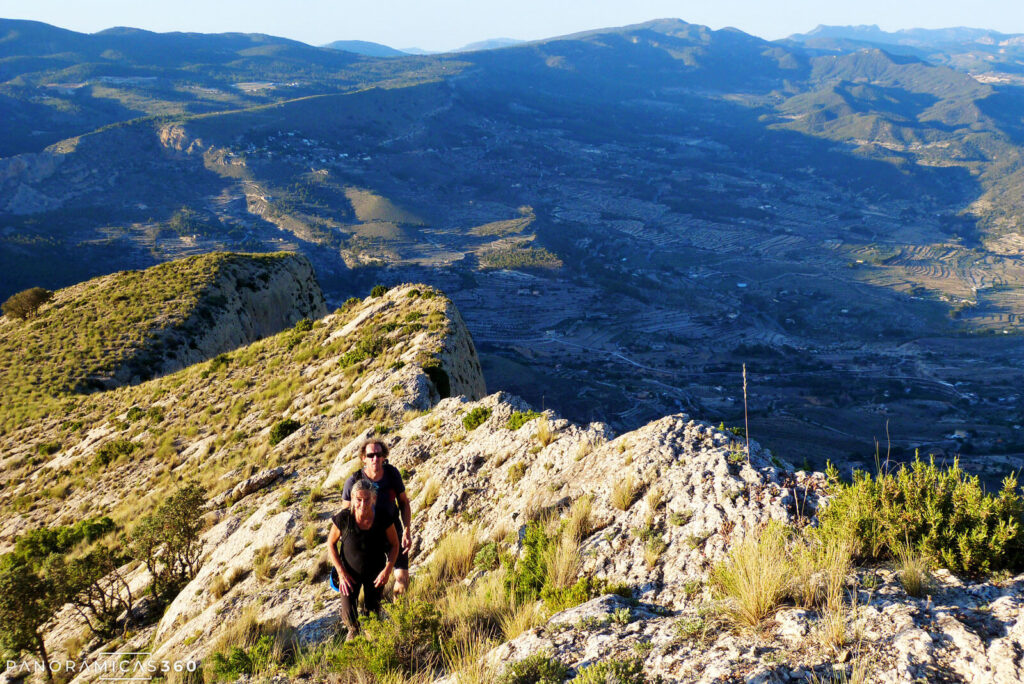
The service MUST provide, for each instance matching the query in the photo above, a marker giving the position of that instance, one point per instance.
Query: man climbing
(392, 500)
(366, 555)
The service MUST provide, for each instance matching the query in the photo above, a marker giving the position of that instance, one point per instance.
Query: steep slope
(663, 503)
(134, 325)
(213, 417)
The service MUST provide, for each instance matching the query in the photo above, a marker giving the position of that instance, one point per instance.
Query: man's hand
(382, 578)
(345, 582)
(406, 540)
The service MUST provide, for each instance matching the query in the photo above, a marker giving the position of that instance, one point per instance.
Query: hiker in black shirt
(391, 500)
(369, 548)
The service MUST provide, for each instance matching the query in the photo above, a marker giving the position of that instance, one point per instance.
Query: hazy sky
(448, 24)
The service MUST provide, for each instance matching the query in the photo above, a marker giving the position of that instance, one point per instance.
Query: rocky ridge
(693, 486)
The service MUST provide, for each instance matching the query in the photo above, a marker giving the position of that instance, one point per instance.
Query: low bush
(476, 417)
(941, 513)
(520, 418)
(111, 451)
(282, 429)
(406, 639)
(618, 671)
(539, 668)
(363, 410)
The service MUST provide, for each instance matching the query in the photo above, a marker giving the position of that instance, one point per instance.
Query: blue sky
(448, 24)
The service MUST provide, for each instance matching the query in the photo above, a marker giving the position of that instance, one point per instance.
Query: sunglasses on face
(374, 454)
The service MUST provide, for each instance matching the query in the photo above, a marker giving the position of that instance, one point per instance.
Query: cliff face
(249, 301)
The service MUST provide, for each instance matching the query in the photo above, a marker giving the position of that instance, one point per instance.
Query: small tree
(167, 541)
(94, 586)
(26, 604)
(24, 304)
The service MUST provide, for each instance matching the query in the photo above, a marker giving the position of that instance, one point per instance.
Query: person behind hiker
(366, 555)
(391, 499)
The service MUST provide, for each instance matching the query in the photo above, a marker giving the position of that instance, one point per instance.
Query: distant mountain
(492, 44)
(978, 51)
(56, 84)
(915, 37)
(364, 47)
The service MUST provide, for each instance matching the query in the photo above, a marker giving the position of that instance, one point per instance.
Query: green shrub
(303, 326)
(363, 410)
(282, 430)
(405, 638)
(47, 448)
(530, 577)
(217, 362)
(111, 451)
(539, 668)
(520, 418)
(487, 557)
(476, 417)
(238, 662)
(941, 513)
(134, 413)
(562, 599)
(618, 671)
(378, 291)
(34, 546)
(24, 304)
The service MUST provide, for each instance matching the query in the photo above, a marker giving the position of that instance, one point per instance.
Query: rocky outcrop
(17, 176)
(247, 301)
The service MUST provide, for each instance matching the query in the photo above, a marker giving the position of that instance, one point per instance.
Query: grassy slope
(89, 331)
(213, 418)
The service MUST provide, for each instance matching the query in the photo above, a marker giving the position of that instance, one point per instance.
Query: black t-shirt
(364, 552)
(388, 487)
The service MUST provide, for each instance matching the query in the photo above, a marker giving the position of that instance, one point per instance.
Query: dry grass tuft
(453, 556)
(624, 493)
(287, 548)
(579, 524)
(913, 571)
(751, 583)
(522, 618)
(464, 658)
(563, 562)
(311, 535)
(218, 587)
(545, 435)
(431, 490)
(653, 550)
(263, 564)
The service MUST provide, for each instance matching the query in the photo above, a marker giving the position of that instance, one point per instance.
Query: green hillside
(99, 451)
(88, 332)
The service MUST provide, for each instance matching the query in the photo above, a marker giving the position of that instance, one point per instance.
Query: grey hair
(364, 486)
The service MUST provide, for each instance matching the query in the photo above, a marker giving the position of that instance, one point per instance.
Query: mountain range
(662, 201)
